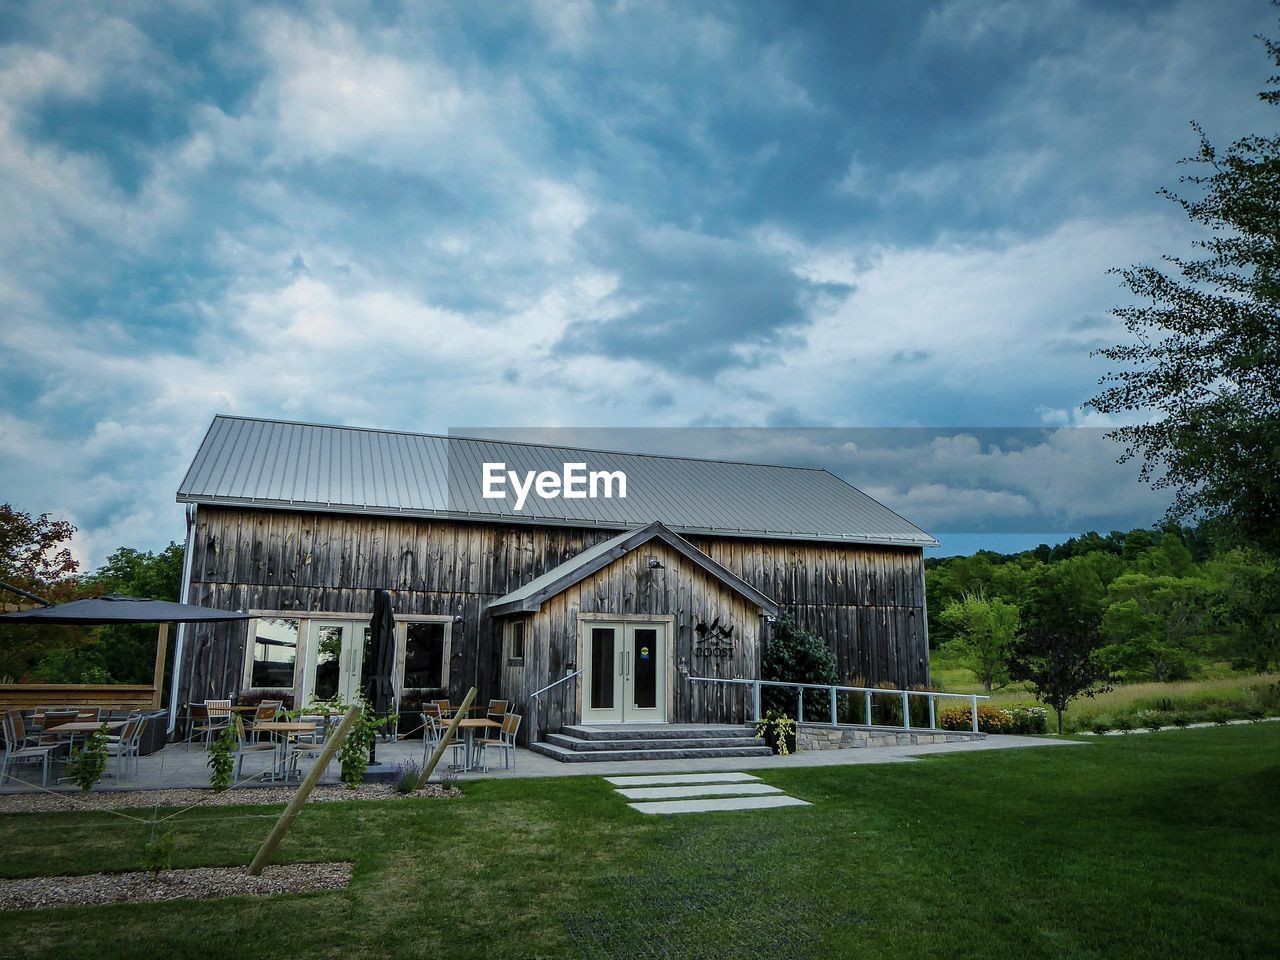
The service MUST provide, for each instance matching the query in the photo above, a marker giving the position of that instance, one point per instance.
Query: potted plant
(778, 731)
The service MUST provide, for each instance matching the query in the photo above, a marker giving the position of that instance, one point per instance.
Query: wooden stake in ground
(449, 733)
(304, 790)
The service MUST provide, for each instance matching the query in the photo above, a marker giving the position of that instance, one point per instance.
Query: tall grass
(1238, 694)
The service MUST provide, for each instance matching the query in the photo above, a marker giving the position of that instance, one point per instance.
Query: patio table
(284, 727)
(470, 725)
(80, 727)
(76, 727)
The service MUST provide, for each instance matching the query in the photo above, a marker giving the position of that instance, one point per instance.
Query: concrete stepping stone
(717, 805)
(697, 790)
(647, 780)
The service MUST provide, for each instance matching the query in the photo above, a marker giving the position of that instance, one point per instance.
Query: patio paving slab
(718, 805)
(698, 790)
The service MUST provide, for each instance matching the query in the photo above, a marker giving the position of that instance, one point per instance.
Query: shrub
(353, 753)
(254, 697)
(1101, 724)
(887, 707)
(157, 853)
(1255, 714)
(793, 655)
(1269, 696)
(990, 719)
(1180, 720)
(1151, 720)
(409, 776)
(1221, 716)
(222, 760)
(1026, 720)
(778, 731)
(89, 763)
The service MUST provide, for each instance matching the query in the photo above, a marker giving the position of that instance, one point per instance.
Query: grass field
(1218, 685)
(1157, 846)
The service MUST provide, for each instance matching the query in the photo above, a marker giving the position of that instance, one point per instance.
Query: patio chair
(308, 745)
(506, 743)
(245, 746)
(56, 718)
(15, 750)
(497, 710)
(267, 711)
(210, 718)
(21, 735)
(444, 707)
(432, 731)
(124, 746)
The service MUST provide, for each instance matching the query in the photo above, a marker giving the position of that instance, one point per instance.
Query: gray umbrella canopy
(114, 608)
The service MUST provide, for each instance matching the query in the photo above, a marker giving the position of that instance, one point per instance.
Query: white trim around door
(626, 663)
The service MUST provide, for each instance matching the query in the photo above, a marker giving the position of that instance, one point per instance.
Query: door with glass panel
(624, 672)
(339, 660)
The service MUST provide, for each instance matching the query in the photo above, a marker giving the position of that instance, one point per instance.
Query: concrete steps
(610, 744)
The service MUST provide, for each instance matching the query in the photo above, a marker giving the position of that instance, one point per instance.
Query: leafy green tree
(1152, 624)
(129, 649)
(35, 556)
(984, 630)
(34, 551)
(1057, 648)
(1204, 364)
(1245, 604)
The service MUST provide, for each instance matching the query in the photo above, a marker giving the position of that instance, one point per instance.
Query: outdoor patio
(182, 766)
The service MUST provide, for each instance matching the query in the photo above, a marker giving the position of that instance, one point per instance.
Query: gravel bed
(141, 886)
(188, 797)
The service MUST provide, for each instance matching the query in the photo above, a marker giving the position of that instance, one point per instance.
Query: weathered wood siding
(630, 586)
(331, 563)
(867, 602)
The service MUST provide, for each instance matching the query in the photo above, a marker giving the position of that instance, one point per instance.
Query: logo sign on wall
(714, 640)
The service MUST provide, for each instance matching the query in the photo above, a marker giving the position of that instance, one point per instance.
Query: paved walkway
(178, 766)
(701, 793)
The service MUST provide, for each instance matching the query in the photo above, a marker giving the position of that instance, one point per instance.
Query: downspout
(183, 597)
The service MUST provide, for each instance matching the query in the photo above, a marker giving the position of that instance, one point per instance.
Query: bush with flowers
(990, 719)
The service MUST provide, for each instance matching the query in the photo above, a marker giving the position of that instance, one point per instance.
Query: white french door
(624, 677)
(338, 664)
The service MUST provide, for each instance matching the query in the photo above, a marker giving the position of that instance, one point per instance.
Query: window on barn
(275, 651)
(515, 641)
(426, 657)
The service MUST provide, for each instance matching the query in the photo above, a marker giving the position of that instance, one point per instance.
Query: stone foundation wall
(812, 736)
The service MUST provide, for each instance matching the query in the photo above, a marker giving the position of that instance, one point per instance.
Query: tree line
(1157, 604)
(35, 557)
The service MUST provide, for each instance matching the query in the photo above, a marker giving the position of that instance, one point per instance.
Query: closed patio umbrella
(114, 608)
(380, 691)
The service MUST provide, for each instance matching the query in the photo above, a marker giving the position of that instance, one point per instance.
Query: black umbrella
(114, 608)
(380, 690)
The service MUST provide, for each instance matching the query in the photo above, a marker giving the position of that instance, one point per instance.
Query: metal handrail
(567, 676)
(832, 689)
(533, 702)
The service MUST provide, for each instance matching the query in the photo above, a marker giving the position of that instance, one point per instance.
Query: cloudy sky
(433, 215)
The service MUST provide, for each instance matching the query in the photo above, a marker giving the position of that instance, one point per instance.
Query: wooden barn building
(634, 594)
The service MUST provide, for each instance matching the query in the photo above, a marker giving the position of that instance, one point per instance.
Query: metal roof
(302, 466)
(532, 595)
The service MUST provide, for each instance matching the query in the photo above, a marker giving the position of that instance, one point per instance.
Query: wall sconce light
(655, 564)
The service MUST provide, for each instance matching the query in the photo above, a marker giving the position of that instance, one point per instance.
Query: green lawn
(1155, 846)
